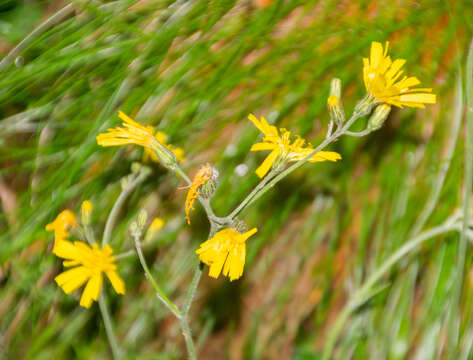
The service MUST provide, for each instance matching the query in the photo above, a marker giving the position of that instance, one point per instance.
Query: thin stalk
(113, 216)
(258, 187)
(159, 292)
(361, 294)
(468, 182)
(112, 340)
(191, 291)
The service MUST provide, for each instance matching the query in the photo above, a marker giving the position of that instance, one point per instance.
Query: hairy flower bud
(334, 102)
(239, 225)
(86, 211)
(208, 189)
(379, 116)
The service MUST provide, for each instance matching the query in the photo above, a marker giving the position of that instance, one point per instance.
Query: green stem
(255, 195)
(361, 294)
(468, 182)
(108, 327)
(186, 331)
(159, 293)
(191, 291)
(113, 216)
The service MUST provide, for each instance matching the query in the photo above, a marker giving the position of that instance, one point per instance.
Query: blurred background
(195, 70)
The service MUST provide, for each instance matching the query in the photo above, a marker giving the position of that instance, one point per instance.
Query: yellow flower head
(332, 101)
(62, 225)
(381, 76)
(89, 264)
(227, 250)
(163, 139)
(282, 149)
(203, 175)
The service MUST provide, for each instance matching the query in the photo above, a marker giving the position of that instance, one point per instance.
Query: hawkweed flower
(88, 266)
(133, 132)
(282, 151)
(225, 250)
(204, 183)
(62, 225)
(383, 82)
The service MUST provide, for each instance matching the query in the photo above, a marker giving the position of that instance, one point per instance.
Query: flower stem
(113, 216)
(112, 340)
(361, 295)
(159, 292)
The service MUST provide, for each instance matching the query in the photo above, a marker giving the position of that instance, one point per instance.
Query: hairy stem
(159, 292)
(109, 327)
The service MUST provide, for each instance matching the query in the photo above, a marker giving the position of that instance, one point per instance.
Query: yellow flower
(62, 225)
(282, 149)
(227, 250)
(203, 175)
(381, 76)
(163, 139)
(133, 132)
(89, 265)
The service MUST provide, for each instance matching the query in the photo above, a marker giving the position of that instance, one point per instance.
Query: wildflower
(133, 132)
(86, 211)
(381, 77)
(282, 151)
(227, 250)
(89, 265)
(334, 103)
(204, 175)
(163, 139)
(62, 225)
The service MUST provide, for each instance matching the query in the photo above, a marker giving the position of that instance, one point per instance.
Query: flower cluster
(225, 251)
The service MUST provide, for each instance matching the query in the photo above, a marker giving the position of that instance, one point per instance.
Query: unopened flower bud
(135, 167)
(240, 226)
(86, 211)
(334, 102)
(207, 190)
(364, 106)
(166, 157)
(142, 218)
(154, 228)
(379, 116)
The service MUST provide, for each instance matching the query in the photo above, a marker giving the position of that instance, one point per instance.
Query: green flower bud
(379, 116)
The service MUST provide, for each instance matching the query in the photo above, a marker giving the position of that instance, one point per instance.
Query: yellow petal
(418, 98)
(72, 279)
(267, 163)
(376, 54)
(325, 156)
(117, 282)
(235, 262)
(65, 250)
(262, 146)
(91, 291)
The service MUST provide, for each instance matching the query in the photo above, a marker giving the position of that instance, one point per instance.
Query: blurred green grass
(196, 69)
